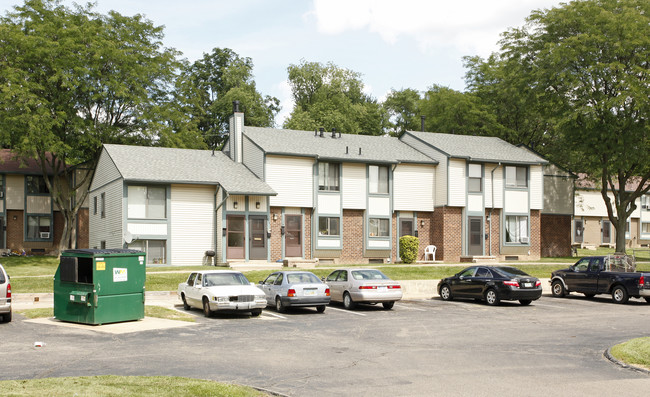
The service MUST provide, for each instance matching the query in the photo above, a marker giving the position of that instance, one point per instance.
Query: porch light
(422, 223)
(257, 205)
(275, 217)
(234, 205)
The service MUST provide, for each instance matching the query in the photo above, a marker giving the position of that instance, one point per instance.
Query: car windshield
(213, 279)
(368, 275)
(511, 271)
(302, 278)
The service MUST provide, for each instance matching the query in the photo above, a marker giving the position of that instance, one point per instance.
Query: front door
(258, 237)
(607, 232)
(406, 227)
(235, 237)
(475, 237)
(293, 236)
(577, 231)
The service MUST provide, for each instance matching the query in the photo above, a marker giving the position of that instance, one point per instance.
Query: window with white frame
(378, 227)
(39, 227)
(475, 178)
(329, 226)
(516, 176)
(155, 250)
(378, 179)
(517, 229)
(328, 177)
(645, 202)
(147, 202)
(645, 228)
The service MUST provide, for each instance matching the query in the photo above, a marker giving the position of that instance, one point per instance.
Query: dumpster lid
(88, 251)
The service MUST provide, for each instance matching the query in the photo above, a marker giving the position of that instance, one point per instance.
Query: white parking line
(410, 308)
(346, 311)
(274, 315)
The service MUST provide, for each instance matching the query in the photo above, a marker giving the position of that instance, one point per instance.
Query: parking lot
(421, 347)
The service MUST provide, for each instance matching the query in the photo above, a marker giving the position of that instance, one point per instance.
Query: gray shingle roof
(168, 165)
(478, 148)
(346, 148)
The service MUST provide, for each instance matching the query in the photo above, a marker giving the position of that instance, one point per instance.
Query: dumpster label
(119, 274)
(101, 265)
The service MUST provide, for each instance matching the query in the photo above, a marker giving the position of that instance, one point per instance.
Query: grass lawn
(149, 311)
(163, 386)
(635, 351)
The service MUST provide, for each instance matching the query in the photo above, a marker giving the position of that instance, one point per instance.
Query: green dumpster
(99, 286)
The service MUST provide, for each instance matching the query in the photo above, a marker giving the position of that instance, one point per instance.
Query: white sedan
(221, 290)
(358, 285)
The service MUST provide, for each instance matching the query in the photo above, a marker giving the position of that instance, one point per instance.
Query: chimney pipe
(322, 132)
(333, 132)
(235, 106)
(315, 131)
(359, 151)
(347, 150)
(422, 123)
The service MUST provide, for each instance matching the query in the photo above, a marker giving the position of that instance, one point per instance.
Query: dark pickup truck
(610, 274)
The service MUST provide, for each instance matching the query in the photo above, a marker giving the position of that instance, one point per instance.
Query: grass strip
(161, 386)
(635, 352)
(149, 311)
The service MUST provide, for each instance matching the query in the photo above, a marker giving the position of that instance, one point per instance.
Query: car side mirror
(461, 277)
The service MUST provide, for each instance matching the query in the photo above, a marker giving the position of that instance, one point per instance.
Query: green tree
(73, 79)
(331, 97)
(587, 63)
(207, 88)
(453, 112)
(403, 111)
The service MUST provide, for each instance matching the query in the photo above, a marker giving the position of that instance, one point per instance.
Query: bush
(408, 248)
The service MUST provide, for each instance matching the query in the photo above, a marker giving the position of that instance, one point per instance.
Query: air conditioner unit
(45, 234)
(523, 240)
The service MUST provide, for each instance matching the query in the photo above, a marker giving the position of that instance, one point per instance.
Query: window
(378, 179)
(645, 228)
(645, 202)
(516, 176)
(328, 226)
(378, 227)
(147, 202)
(475, 178)
(95, 205)
(2, 186)
(517, 229)
(36, 185)
(39, 227)
(102, 244)
(328, 177)
(155, 249)
(103, 205)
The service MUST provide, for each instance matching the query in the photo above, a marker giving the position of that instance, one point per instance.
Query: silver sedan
(352, 286)
(295, 289)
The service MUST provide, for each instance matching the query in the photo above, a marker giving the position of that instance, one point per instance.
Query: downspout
(216, 214)
(491, 208)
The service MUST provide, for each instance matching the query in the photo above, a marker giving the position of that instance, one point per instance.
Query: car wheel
(589, 296)
(320, 309)
(491, 297)
(185, 305)
(619, 294)
(6, 318)
(647, 300)
(557, 289)
(348, 303)
(256, 312)
(206, 307)
(388, 305)
(279, 307)
(445, 293)
(525, 302)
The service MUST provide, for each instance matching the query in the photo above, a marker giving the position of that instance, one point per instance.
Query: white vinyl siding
(379, 206)
(109, 228)
(105, 172)
(590, 203)
(441, 168)
(148, 229)
(252, 204)
(253, 158)
(353, 186)
(493, 186)
(329, 204)
(379, 244)
(15, 192)
(516, 201)
(192, 223)
(475, 203)
(292, 179)
(457, 183)
(236, 201)
(536, 187)
(413, 187)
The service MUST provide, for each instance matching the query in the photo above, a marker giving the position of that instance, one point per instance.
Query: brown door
(257, 237)
(235, 236)
(475, 235)
(406, 227)
(293, 235)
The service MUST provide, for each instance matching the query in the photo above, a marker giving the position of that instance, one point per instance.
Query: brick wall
(555, 235)
(447, 231)
(426, 235)
(306, 219)
(494, 229)
(15, 236)
(276, 234)
(83, 231)
(352, 237)
(535, 234)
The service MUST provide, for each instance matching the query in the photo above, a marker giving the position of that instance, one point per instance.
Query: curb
(608, 355)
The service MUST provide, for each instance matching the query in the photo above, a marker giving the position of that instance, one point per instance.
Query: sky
(393, 44)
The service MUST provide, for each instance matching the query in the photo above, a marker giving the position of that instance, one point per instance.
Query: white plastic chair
(430, 250)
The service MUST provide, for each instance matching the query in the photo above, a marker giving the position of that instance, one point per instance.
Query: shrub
(408, 248)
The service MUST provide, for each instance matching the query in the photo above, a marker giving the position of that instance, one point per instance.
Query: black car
(491, 283)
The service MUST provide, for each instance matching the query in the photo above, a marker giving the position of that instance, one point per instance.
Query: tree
(588, 64)
(326, 96)
(403, 110)
(73, 79)
(454, 112)
(207, 88)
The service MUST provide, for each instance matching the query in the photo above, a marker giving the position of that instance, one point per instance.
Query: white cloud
(468, 25)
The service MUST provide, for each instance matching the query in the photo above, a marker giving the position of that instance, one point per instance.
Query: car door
(481, 278)
(336, 281)
(575, 279)
(277, 287)
(462, 285)
(267, 287)
(192, 294)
